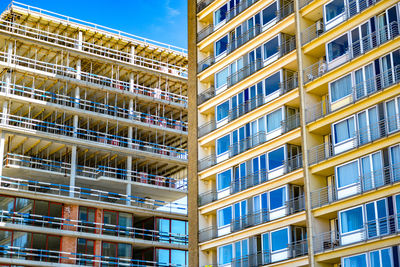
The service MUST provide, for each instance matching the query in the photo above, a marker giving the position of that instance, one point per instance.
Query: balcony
(206, 95)
(81, 193)
(317, 29)
(252, 67)
(14, 28)
(354, 50)
(202, 4)
(98, 80)
(18, 218)
(373, 229)
(254, 179)
(388, 175)
(257, 139)
(358, 92)
(252, 219)
(362, 136)
(99, 138)
(250, 105)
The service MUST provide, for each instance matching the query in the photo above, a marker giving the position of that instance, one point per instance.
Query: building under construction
(93, 144)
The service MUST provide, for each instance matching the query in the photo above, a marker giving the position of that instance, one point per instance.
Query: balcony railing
(362, 136)
(94, 136)
(205, 95)
(357, 92)
(31, 186)
(205, 63)
(202, 4)
(303, 3)
(253, 179)
(243, 145)
(254, 218)
(373, 229)
(21, 218)
(100, 108)
(237, 42)
(364, 183)
(69, 72)
(354, 50)
(201, 35)
(44, 255)
(240, 6)
(64, 168)
(252, 67)
(317, 29)
(250, 105)
(91, 48)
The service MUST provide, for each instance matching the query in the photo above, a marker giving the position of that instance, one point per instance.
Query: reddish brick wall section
(68, 244)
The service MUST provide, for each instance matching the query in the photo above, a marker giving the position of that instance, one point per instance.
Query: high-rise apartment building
(93, 158)
(296, 160)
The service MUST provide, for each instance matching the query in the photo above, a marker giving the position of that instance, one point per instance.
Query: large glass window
(225, 254)
(341, 88)
(269, 13)
(279, 239)
(222, 111)
(355, 261)
(274, 120)
(221, 78)
(220, 14)
(224, 216)
(334, 9)
(277, 198)
(397, 211)
(221, 45)
(338, 47)
(178, 257)
(272, 83)
(276, 158)
(351, 220)
(344, 130)
(224, 179)
(347, 174)
(271, 47)
(223, 144)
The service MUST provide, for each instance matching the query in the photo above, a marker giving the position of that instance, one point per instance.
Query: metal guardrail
(361, 137)
(64, 168)
(203, 4)
(45, 255)
(201, 35)
(239, 7)
(372, 229)
(23, 185)
(91, 227)
(303, 3)
(99, 137)
(350, 10)
(100, 108)
(205, 95)
(91, 48)
(69, 72)
(358, 92)
(237, 42)
(365, 183)
(243, 145)
(254, 218)
(205, 63)
(356, 49)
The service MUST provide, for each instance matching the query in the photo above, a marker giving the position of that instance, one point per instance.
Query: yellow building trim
(298, 218)
(357, 200)
(325, 167)
(299, 261)
(209, 10)
(251, 116)
(288, 61)
(313, 86)
(311, 7)
(251, 153)
(378, 97)
(292, 177)
(358, 248)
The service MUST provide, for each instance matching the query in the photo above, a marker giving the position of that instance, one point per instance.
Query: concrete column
(78, 69)
(133, 54)
(9, 52)
(68, 243)
(131, 83)
(80, 40)
(8, 81)
(2, 148)
(73, 171)
(128, 177)
(4, 119)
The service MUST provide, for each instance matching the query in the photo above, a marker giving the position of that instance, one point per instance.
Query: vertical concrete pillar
(8, 81)
(133, 54)
(78, 69)
(9, 52)
(5, 112)
(73, 171)
(80, 40)
(2, 150)
(97, 252)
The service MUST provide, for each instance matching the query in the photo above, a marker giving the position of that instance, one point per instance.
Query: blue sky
(159, 20)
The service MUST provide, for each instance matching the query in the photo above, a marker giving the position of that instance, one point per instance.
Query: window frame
(362, 206)
(334, 132)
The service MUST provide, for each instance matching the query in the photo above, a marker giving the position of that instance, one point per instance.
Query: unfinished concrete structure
(93, 144)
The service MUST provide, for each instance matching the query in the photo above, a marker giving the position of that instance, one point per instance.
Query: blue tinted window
(223, 110)
(221, 45)
(178, 257)
(223, 144)
(225, 254)
(224, 179)
(269, 13)
(271, 47)
(220, 14)
(272, 83)
(351, 220)
(359, 260)
(224, 216)
(277, 198)
(279, 239)
(276, 158)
